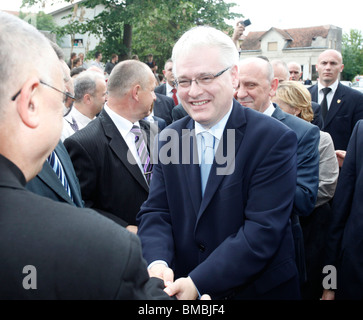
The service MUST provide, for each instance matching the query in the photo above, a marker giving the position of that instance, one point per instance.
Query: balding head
(330, 65)
(31, 98)
(256, 84)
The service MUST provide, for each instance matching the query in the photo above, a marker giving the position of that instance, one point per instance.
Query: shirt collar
(333, 87)
(270, 110)
(123, 125)
(217, 129)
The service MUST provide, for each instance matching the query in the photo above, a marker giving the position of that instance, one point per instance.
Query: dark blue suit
(47, 183)
(345, 110)
(345, 245)
(236, 241)
(308, 137)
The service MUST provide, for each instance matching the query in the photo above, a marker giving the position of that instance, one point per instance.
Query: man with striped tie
(111, 156)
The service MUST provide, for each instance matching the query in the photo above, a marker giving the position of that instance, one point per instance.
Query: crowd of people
(230, 180)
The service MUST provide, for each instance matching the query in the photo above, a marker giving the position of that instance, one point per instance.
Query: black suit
(76, 253)
(47, 183)
(161, 89)
(163, 107)
(109, 182)
(345, 110)
(179, 112)
(318, 117)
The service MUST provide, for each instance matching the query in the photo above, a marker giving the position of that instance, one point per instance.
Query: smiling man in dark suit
(100, 152)
(343, 105)
(225, 231)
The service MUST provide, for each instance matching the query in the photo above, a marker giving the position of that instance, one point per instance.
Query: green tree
(146, 26)
(352, 51)
(40, 20)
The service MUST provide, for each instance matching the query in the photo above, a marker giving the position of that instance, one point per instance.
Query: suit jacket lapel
(314, 93)
(70, 174)
(336, 103)
(191, 170)
(233, 131)
(120, 148)
(49, 177)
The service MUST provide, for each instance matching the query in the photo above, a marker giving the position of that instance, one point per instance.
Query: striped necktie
(58, 169)
(74, 125)
(142, 152)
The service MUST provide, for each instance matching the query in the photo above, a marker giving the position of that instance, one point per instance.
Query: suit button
(201, 248)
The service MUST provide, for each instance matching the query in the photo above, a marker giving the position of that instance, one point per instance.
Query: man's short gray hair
(205, 36)
(86, 83)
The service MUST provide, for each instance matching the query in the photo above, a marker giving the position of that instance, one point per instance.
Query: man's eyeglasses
(202, 80)
(66, 95)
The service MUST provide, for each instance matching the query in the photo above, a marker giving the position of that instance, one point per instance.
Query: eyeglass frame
(67, 94)
(177, 83)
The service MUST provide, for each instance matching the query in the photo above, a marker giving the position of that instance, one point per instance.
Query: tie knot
(173, 90)
(326, 90)
(208, 139)
(136, 131)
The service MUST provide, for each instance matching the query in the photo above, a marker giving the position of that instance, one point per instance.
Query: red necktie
(175, 98)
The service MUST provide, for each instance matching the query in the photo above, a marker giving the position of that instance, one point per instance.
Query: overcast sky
(284, 14)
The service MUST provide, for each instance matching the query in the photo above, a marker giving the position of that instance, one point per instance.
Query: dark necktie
(324, 103)
(142, 152)
(74, 125)
(58, 169)
(175, 98)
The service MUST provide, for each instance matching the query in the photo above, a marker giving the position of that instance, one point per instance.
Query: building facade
(302, 45)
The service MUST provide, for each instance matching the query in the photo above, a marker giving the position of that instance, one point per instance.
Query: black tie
(324, 103)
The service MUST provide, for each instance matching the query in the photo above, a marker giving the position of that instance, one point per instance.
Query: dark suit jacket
(237, 240)
(318, 117)
(109, 182)
(77, 253)
(345, 244)
(307, 183)
(47, 183)
(163, 107)
(344, 112)
(308, 137)
(178, 112)
(161, 89)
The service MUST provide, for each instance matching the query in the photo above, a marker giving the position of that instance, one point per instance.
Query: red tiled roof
(298, 37)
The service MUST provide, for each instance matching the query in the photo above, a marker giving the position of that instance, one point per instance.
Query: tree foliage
(141, 27)
(352, 51)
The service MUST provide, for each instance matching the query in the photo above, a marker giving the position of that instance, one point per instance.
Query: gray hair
(127, 74)
(17, 36)
(205, 36)
(283, 65)
(86, 83)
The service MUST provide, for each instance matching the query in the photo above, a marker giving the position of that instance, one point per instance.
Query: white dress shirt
(124, 126)
(80, 119)
(330, 95)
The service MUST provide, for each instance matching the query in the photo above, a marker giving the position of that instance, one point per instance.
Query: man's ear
(136, 92)
(27, 103)
(235, 76)
(274, 85)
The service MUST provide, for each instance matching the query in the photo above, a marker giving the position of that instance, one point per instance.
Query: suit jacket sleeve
(328, 169)
(308, 172)
(136, 281)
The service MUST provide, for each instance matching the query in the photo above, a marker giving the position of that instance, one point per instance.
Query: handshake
(182, 288)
